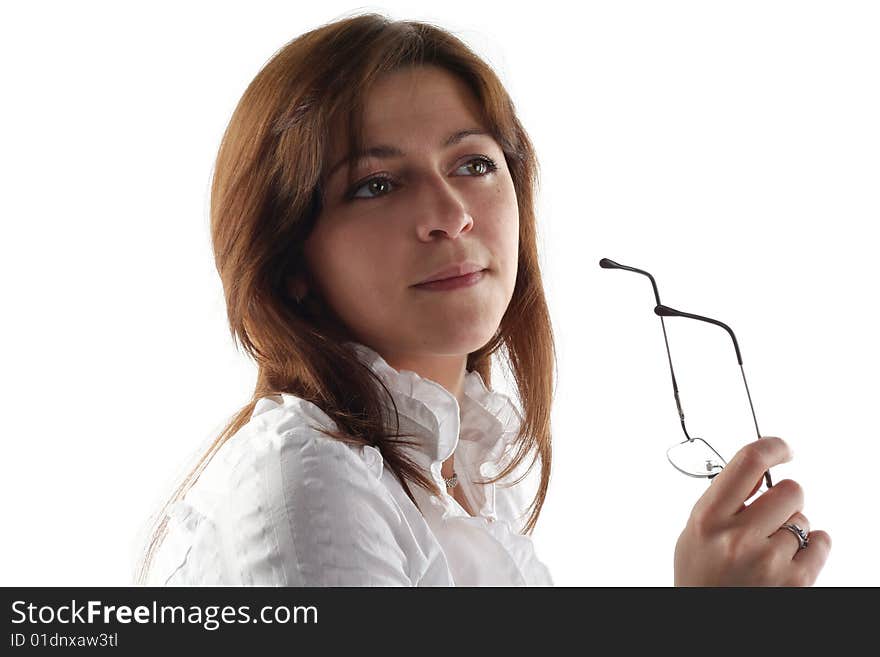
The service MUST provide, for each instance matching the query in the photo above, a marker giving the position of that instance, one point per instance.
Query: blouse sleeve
(308, 510)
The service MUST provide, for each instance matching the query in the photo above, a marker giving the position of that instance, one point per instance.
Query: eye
(484, 166)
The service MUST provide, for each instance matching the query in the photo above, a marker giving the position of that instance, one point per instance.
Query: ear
(297, 288)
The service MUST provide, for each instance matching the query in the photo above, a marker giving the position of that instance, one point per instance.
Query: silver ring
(803, 539)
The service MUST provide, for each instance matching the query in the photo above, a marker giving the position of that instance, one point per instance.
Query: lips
(453, 271)
(454, 283)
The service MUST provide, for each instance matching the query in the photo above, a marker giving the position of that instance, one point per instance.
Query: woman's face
(433, 206)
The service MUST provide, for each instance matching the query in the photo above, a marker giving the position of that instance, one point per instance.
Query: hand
(727, 543)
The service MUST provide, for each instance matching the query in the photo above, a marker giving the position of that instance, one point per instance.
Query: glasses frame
(665, 311)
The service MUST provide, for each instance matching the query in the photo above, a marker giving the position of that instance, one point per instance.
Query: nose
(442, 209)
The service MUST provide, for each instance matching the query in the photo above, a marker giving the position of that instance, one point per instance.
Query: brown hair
(266, 195)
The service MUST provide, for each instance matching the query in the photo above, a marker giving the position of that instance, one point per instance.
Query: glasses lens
(696, 458)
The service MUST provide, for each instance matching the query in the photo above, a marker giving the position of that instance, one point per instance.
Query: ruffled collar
(479, 430)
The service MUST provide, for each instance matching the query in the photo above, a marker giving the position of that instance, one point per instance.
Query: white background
(731, 149)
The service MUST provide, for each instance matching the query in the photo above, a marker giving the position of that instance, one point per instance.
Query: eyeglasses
(694, 456)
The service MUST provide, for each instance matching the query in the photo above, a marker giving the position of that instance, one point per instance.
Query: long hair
(266, 195)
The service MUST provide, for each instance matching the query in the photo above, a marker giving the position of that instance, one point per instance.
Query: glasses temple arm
(607, 263)
(666, 311)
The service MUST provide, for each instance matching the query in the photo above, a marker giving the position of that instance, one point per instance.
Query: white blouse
(281, 504)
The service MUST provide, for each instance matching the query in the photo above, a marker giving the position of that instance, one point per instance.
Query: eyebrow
(384, 151)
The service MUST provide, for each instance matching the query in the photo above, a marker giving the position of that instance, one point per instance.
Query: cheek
(329, 257)
(505, 200)
(508, 240)
(503, 228)
(344, 262)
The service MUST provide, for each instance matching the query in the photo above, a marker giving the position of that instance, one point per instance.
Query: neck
(447, 470)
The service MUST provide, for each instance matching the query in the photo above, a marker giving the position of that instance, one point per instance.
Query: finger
(785, 541)
(767, 513)
(731, 488)
(756, 487)
(810, 560)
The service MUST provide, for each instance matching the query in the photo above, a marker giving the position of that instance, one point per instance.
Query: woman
(368, 158)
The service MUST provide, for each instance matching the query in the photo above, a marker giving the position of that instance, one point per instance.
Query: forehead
(410, 105)
(427, 90)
